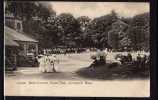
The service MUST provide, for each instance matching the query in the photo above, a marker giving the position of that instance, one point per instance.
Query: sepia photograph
(77, 49)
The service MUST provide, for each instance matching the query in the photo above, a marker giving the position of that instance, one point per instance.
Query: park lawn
(112, 71)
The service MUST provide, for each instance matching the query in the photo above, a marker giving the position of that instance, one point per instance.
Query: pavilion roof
(17, 36)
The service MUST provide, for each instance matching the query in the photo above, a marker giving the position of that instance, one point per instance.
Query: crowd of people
(65, 50)
(48, 61)
(140, 60)
(125, 58)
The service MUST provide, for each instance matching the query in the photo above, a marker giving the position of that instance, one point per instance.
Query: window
(18, 26)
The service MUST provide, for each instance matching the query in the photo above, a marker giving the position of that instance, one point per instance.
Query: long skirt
(49, 68)
(42, 67)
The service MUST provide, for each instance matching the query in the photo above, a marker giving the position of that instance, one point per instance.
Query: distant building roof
(14, 35)
(120, 22)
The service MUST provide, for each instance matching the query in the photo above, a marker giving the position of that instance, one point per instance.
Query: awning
(17, 36)
(9, 41)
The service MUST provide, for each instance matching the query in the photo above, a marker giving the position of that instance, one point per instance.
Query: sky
(96, 9)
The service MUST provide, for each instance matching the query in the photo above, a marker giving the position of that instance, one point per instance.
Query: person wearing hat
(99, 58)
(139, 60)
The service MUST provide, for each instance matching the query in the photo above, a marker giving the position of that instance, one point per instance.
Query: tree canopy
(109, 30)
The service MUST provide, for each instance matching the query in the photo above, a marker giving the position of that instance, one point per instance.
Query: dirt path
(18, 83)
(65, 69)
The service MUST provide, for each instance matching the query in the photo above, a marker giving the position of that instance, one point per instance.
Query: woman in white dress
(54, 62)
(48, 65)
(41, 62)
(45, 64)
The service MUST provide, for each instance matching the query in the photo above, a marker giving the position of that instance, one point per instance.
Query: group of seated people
(139, 62)
(99, 58)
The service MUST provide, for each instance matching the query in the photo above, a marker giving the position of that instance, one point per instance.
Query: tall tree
(117, 36)
(84, 21)
(139, 31)
(35, 20)
(70, 28)
(100, 26)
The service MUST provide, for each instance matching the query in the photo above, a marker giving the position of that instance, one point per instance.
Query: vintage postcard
(77, 49)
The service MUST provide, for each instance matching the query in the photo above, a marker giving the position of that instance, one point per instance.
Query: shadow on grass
(115, 71)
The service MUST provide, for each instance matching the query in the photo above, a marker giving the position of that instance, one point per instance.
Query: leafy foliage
(98, 28)
(117, 36)
(139, 31)
(70, 28)
(109, 30)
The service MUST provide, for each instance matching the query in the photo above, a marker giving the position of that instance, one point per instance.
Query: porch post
(36, 47)
(25, 49)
